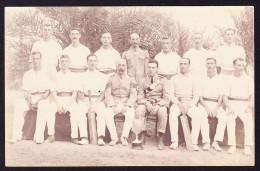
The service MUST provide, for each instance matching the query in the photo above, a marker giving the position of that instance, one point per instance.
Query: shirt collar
(109, 48)
(166, 54)
(134, 49)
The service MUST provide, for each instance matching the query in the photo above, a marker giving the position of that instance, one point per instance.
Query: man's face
(239, 66)
(47, 31)
(36, 60)
(121, 67)
(135, 40)
(210, 64)
(152, 69)
(106, 39)
(197, 39)
(92, 62)
(166, 45)
(75, 36)
(230, 36)
(64, 63)
(184, 66)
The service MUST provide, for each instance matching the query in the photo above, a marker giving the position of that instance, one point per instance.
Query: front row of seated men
(212, 95)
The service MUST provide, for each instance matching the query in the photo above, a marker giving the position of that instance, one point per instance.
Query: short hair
(119, 60)
(75, 28)
(211, 59)
(186, 59)
(230, 29)
(64, 56)
(238, 59)
(152, 61)
(106, 33)
(92, 54)
(36, 52)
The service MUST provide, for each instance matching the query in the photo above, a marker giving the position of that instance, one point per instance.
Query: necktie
(152, 80)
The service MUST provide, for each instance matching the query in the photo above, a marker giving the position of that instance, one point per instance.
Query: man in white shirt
(227, 53)
(94, 82)
(36, 90)
(184, 96)
(197, 55)
(210, 104)
(50, 49)
(137, 59)
(239, 101)
(107, 56)
(167, 59)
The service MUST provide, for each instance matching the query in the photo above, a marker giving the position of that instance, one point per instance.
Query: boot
(160, 145)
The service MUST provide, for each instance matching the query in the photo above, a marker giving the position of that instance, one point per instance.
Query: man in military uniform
(153, 97)
(36, 90)
(92, 94)
(239, 101)
(120, 97)
(137, 59)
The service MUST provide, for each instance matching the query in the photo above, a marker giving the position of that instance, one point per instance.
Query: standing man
(210, 104)
(197, 55)
(36, 90)
(50, 49)
(120, 97)
(136, 58)
(95, 83)
(228, 52)
(167, 59)
(184, 97)
(107, 56)
(153, 97)
(239, 101)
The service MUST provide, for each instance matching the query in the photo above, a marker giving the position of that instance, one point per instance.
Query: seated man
(94, 83)
(36, 90)
(120, 97)
(239, 101)
(64, 95)
(211, 104)
(153, 97)
(184, 96)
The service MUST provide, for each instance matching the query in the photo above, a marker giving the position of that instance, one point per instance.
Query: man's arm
(166, 94)
(109, 99)
(133, 94)
(146, 60)
(140, 92)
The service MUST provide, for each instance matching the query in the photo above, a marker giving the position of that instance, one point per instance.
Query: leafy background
(23, 28)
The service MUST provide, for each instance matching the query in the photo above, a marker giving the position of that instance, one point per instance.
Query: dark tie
(152, 80)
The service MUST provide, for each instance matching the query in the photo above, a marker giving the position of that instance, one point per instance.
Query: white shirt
(198, 60)
(65, 82)
(225, 55)
(35, 81)
(78, 55)
(239, 87)
(107, 58)
(168, 63)
(50, 50)
(211, 87)
(94, 81)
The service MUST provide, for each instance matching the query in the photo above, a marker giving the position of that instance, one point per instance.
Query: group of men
(136, 86)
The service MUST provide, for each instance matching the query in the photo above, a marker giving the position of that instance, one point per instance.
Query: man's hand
(149, 106)
(230, 111)
(125, 108)
(155, 109)
(186, 108)
(33, 106)
(92, 108)
(208, 111)
(215, 112)
(115, 110)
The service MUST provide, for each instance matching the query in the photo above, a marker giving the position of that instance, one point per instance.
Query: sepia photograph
(95, 86)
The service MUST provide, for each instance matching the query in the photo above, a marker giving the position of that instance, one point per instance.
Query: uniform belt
(91, 95)
(64, 94)
(78, 69)
(238, 99)
(209, 99)
(108, 71)
(36, 93)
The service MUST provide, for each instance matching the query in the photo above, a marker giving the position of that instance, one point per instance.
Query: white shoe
(247, 151)
(39, 141)
(14, 140)
(113, 142)
(174, 145)
(215, 145)
(84, 141)
(124, 141)
(232, 149)
(195, 147)
(206, 147)
(101, 142)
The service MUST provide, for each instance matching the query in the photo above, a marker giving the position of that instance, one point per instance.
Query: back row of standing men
(121, 94)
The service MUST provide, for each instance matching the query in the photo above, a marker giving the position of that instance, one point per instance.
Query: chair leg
(156, 122)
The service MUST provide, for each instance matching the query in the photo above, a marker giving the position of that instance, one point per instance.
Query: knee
(162, 112)
(174, 111)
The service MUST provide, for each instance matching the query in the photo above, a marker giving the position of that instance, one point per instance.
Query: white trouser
(129, 117)
(239, 108)
(49, 115)
(100, 111)
(195, 122)
(20, 109)
(222, 121)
